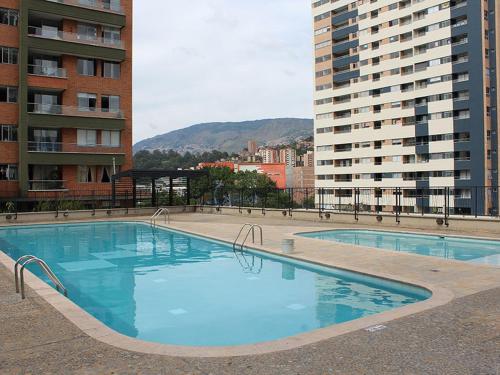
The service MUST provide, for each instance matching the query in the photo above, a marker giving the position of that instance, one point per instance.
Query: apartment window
(87, 102)
(111, 70)
(86, 67)
(8, 133)
(111, 35)
(8, 172)
(106, 172)
(86, 174)
(111, 4)
(86, 32)
(110, 138)
(8, 94)
(8, 55)
(86, 137)
(9, 16)
(110, 103)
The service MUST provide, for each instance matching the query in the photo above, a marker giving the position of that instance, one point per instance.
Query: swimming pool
(465, 249)
(171, 287)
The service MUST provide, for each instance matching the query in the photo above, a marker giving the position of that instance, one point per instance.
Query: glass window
(110, 103)
(110, 138)
(8, 172)
(111, 35)
(8, 94)
(9, 16)
(86, 101)
(86, 137)
(111, 4)
(8, 55)
(8, 133)
(86, 67)
(86, 32)
(110, 70)
(86, 174)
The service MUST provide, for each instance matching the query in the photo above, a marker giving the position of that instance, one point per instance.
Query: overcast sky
(220, 60)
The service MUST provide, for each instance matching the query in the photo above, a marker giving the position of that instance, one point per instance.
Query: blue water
(465, 249)
(169, 287)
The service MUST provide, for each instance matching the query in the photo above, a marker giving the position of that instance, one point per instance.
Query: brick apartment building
(65, 95)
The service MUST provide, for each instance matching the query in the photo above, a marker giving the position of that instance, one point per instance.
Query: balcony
(46, 185)
(105, 6)
(74, 38)
(62, 110)
(59, 147)
(45, 71)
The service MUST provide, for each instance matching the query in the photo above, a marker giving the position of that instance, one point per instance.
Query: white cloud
(220, 60)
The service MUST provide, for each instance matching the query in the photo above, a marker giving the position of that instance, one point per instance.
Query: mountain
(229, 136)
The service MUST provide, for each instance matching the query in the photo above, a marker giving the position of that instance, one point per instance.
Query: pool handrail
(250, 230)
(162, 210)
(45, 268)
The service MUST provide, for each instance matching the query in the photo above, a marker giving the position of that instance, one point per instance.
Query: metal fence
(476, 201)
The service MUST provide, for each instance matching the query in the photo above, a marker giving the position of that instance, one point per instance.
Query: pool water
(170, 287)
(465, 249)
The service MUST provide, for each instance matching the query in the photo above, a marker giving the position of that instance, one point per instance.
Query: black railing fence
(476, 201)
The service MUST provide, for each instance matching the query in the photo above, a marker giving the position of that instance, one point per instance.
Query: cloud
(220, 60)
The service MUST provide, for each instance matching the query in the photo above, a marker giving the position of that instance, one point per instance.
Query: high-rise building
(269, 155)
(406, 96)
(252, 147)
(308, 159)
(288, 156)
(65, 95)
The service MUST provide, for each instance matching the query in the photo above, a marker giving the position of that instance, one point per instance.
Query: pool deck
(459, 334)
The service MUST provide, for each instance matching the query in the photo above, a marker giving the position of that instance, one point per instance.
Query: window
(9, 16)
(111, 4)
(8, 172)
(86, 67)
(8, 94)
(110, 103)
(110, 138)
(106, 173)
(86, 32)
(8, 55)
(111, 70)
(86, 137)
(86, 174)
(111, 35)
(8, 133)
(87, 102)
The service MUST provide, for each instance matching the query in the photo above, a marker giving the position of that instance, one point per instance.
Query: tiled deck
(460, 337)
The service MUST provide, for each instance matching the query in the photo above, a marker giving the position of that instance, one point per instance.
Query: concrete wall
(388, 220)
(52, 216)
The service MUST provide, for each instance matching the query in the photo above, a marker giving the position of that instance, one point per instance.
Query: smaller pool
(465, 249)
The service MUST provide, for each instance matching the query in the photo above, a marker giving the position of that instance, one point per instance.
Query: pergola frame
(154, 175)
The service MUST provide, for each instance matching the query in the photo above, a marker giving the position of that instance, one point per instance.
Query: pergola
(153, 175)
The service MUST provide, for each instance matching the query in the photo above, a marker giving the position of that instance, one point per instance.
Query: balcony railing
(94, 4)
(75, 38)
(46, 185)
(45, 71)
(60, 147)
(63, 110)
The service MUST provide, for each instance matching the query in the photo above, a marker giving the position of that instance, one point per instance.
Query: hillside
(229, 136)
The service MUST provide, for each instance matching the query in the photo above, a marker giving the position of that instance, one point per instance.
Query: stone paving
(461, 337)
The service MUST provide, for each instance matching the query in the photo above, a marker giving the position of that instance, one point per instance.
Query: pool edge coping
(99, 331)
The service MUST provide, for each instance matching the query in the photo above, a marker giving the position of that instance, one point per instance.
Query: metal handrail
(252, 230)
(28, 259)
(16, 275)
(164, 211)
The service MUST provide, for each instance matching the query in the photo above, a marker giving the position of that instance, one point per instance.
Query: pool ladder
(251, 229)
(29, 259)
(161, 211)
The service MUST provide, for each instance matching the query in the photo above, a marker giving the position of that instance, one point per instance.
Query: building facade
(288, 156)
(406, 96)
(65, 95)
(269, 155)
